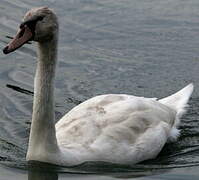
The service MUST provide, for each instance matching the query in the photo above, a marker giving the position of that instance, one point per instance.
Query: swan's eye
(40, 18)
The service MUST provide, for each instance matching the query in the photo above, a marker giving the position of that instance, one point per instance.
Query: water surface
(145, 48)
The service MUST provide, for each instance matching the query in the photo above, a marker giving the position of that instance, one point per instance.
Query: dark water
(145, 48)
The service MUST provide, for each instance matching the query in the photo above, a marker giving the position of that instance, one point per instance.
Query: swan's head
(39, 24)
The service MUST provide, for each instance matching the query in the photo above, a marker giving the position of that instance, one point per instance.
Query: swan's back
(116, 128)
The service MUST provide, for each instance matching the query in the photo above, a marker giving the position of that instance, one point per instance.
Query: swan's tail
(178, 102)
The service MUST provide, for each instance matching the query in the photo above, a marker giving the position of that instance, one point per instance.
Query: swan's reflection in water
(42, 175)
(44, 171)
(41, 171)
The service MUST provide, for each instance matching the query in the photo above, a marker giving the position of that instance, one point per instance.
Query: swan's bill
(23, 35)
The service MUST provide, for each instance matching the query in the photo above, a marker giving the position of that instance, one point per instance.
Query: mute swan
(115, 128)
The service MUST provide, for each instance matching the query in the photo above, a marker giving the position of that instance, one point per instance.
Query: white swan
(116, 128)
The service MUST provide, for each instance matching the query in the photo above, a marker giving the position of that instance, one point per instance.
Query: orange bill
(23, 35)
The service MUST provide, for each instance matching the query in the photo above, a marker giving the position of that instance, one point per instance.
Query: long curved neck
(42, 135)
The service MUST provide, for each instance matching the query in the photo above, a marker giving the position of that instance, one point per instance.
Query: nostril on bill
(21, 32)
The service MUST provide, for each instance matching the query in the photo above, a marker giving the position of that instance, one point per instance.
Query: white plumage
(120, 128)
